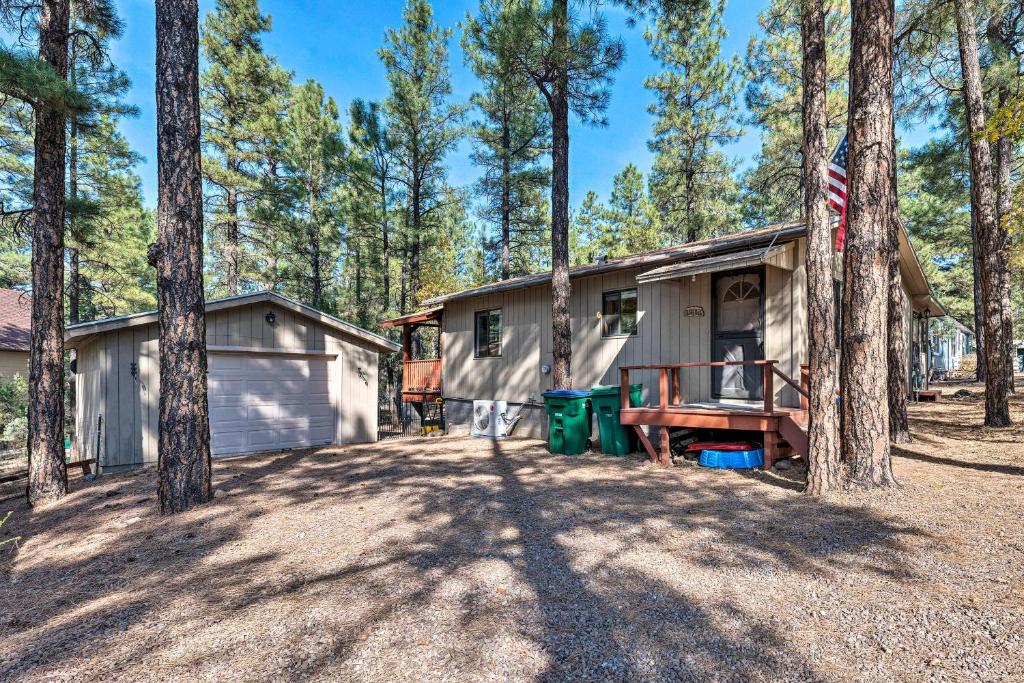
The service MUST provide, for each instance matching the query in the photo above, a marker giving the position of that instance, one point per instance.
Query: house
(715, 330)
(15, 332)
(281, 375)
(950, 341)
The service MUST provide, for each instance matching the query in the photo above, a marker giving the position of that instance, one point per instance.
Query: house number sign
(693, 312)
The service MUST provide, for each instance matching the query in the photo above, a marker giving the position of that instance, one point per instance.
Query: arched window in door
(740, 307)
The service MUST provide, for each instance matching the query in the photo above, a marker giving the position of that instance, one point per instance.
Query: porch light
(270, 317)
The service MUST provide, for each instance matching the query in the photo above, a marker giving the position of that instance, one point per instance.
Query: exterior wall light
(270, 317)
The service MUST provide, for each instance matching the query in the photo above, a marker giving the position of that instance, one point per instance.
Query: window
(488, 333)
(618, 313)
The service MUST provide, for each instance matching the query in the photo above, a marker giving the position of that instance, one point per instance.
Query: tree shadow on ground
(583, 569)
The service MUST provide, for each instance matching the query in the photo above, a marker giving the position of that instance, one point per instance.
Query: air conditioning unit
(491, 419)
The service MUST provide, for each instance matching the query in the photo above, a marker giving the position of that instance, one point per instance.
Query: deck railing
(670, 386)
(422, 375)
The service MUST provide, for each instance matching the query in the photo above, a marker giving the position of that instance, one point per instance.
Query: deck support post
(666, 449)
(771, 449)
(646, 443)
(768, 388)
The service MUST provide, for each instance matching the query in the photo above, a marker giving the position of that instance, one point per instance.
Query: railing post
(677, 394)
(768, 385)
(805, 384)
(624, 388)
(663, 387)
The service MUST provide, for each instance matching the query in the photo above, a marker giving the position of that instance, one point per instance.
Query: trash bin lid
(566, 393)
(610, 390)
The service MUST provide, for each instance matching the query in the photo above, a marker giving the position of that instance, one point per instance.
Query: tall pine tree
(510, 139)
(243, 93)
(691, 179)
(425, 127)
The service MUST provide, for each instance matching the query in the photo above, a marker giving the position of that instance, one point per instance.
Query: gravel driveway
(466, 560)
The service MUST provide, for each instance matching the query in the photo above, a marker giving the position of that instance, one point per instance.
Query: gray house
(736, 298)
(281, 375)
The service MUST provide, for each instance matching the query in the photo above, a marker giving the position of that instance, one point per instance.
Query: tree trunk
(823, 472)
(979, 317)
(385, 254)
(506, 200)
(184, 438)
(864, 363)
(1004, 192)
(47, 473)
(231, 232)
(899, 428)
(993, 239)
(561, 330)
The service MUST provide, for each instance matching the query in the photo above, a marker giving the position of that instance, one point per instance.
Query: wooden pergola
(421, 379)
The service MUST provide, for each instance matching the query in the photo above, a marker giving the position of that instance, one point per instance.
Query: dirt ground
(465, 560)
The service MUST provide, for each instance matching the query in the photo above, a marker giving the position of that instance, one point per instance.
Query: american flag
(837, 188)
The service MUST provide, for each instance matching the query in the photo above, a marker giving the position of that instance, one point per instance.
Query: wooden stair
(794, 430)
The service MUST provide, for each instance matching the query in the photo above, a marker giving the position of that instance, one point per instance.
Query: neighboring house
(15, 332)
(740, 297)
(281, 375)
(950, 342)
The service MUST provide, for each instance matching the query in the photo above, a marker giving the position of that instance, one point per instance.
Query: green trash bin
(569, 414)
(616, 439)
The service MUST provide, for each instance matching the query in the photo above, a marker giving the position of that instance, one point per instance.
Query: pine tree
(424, 126)
(863, 380)
(993, 240)
(112, 227)
(183, 452)
(508, 140)
(243, 93)
(823, 471)
(94, 25)
(373, 180)
(691, 178)
(636, 224)
(774, 98)
(586, 228)
(571, 63)
(313, 165)
(47, 473)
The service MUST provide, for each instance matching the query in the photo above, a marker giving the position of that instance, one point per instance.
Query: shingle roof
(15, 320)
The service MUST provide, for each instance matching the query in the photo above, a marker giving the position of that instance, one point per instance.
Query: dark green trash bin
(616, 439)
(568, 420)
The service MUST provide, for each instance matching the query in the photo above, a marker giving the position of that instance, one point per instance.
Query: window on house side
(619, 313)
(488, 334)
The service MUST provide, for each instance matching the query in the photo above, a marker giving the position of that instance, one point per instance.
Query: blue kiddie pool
(732, 460)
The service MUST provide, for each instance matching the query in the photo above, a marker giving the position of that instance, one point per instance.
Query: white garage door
(264, 402)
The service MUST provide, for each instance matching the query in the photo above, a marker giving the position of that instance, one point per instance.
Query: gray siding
(665, 335)
(129, 406)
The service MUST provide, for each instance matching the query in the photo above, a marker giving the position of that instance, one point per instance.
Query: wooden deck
(784, 429)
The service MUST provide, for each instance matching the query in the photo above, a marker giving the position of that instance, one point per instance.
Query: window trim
(636, 328)
(476, 332)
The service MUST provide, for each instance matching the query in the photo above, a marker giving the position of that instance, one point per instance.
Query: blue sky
(336, 43)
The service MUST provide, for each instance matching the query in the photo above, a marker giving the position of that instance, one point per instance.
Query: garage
(280, 375)
(266, 402)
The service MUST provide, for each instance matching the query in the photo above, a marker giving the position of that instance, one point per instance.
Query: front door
(737, 333)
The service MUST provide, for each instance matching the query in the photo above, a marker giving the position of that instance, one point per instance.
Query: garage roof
(81, 330)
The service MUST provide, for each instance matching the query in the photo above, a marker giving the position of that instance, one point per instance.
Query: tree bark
(231, 232)
(506, 201)
(184, 439)
(993, 240)
(979, 317)
(823, 471)
(561, 329)
(864, 362)
(47, 473)
(899, 428)
(1004, 193)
